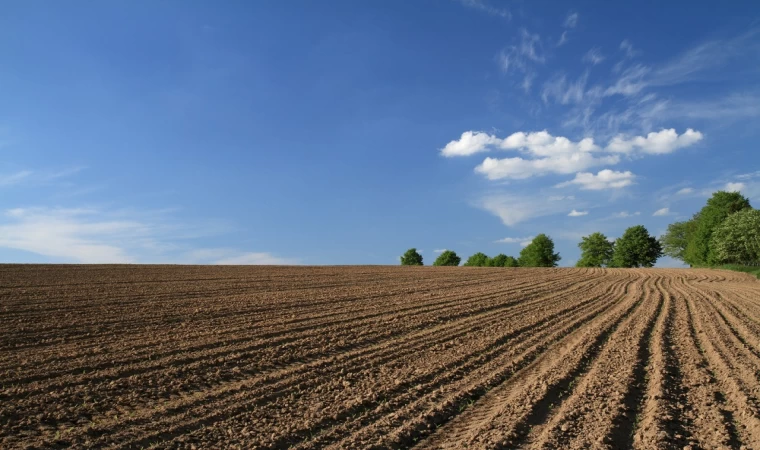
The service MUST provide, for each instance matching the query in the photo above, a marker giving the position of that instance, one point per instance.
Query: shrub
(447, 258)
(478, 260)
(411, 258)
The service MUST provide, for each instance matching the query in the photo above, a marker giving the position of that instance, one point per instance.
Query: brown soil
(377, 357)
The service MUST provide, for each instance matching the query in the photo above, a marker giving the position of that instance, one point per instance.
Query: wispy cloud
(255, 259)
(523, 241)
(14, 178)
(662, 212)
(439, 250)
(571, 21)
(575, 213)
(735, 187)
(482, 6)
(685, 191)
(513, 209)
(522, 55)
(625, 214)
(97, 235)
(593, 56)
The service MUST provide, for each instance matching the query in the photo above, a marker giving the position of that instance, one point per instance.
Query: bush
(478, 260)
(539, 253)
(411, 258)
(596, 251)
(447, 258)
(636, 248)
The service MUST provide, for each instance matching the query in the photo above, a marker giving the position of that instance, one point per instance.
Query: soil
(196, 357)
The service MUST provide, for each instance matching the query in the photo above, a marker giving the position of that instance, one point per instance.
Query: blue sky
(345, 132)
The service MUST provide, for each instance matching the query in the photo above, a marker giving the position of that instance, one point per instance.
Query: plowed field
(377, 357)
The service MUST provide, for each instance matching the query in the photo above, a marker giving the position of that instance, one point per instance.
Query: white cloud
(513, 209)
(735, 187)
(439, 250)
(252, 258)
(486, 8)
(749, 176)
(93, 235)
(469, 143)
(564, 92)
(523, 241)
(660, 142)
(594, 56)
(522, 55)
(685, 191)
(541, 143)
(662, 212)
(575, 213)
(571, 20)
(627, 47)
(558, 198)
(625, 214)
(630, 82)
(7, 180)
(604, 179)
(519, 168)
(562, 39)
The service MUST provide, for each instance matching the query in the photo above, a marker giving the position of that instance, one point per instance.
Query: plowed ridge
(377, 357)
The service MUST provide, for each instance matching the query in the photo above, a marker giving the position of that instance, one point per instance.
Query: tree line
(539, 253)
(635, 248)
(725, 231)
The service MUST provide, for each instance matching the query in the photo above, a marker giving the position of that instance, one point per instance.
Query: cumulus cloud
(575, 213)
(660, 142)
(685, 191)
(523, 241)
(519, 168)
(545, 153)
(604, 179)
(735, 187)
(469, 143)
(662, 212)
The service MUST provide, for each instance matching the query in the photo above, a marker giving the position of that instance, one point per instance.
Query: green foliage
(721, 205)
(502, 260)
(636, 248)
(511, 261)
(596, 251)
(478, 260)
(539, 253)
(447, 258)
(411, 258)
(737, 239)
(498, 260)
(676, 239)
(751, 270)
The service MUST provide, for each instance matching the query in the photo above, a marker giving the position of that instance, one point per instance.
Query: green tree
(676, 239)
(721, 205)
(636, 248)
(737, 239)
(447, 258)
(596, 251)
(539, 253)
(499, 260)
(478, 260)
(511, 261)
(411, 258)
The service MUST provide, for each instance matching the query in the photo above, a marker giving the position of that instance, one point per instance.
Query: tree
(636, 248)
(511, 261)
(596, 251)
(411, 258)
(478, 260)
(447, 258)
(721, 205)
(676, 239)
(737, 239)
(539, 253)
(499, 260)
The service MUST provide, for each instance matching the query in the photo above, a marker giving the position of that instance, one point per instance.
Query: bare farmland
(377, 357)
